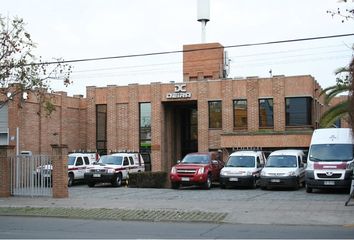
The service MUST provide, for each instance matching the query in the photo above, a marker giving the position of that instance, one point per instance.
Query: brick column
(91, 117)
(203, 117)
(156, 129)
(111, 118)
(5, 170)
(227, 106)
(279, 104)
(252, 105)
(60, 171)
(133, 111)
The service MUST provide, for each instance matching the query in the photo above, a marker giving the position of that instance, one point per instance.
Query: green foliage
(20, 71)
(148, 179)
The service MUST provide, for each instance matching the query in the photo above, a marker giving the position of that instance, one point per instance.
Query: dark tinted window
(298, 111)
(87, 161)
(79, 161)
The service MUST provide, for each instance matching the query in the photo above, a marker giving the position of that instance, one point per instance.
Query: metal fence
(31, 176)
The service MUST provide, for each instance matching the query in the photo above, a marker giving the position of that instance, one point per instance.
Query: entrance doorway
(181, 128)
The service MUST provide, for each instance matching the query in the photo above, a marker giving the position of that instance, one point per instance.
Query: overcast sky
(76, 29)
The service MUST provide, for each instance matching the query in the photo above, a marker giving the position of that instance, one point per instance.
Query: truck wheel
(207, 184)
(117, 181)
(174, 185)
(308, 189)
(70, 179)
(91, 184)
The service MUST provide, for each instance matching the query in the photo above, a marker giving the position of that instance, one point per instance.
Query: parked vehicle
(114, 169)
(197, 169)
(242, 169)
(330, 160)
(284, 168)
(77, 165)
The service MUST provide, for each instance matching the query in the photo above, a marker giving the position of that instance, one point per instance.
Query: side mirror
(215, 162)
(178, 161)
(304, 160)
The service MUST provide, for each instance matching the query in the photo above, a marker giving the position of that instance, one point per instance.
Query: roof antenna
(203, 16)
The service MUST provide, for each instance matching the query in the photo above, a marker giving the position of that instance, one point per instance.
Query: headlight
(173, 170)
(350, 166)
(88, 170)
(292, 173)
(201, 170)
(249, 173)
(223, 173)
(263, 173)
(110, 170)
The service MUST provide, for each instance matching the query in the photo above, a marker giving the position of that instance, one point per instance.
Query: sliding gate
(31, 176)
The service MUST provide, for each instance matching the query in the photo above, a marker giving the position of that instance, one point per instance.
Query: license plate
(233, 179)
(96, 175)
(330, 183)
(185, 179)
(275, 180)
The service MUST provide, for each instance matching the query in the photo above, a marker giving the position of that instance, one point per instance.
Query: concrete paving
(245, 206)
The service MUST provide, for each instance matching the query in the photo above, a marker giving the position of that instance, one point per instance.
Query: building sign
(180, 92)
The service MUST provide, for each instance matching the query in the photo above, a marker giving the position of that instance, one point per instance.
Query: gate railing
(31, 176)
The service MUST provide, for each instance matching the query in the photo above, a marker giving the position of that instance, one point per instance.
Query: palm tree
(343, 85)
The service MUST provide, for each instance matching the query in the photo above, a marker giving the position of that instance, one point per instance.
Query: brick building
(204, 112)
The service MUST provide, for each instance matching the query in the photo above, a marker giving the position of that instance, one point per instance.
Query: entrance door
(189, 130)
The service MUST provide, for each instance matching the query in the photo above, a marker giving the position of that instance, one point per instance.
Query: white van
(330, 159)
(284, 168)
(242, 169)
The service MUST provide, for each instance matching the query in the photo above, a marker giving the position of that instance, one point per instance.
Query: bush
(147, 179)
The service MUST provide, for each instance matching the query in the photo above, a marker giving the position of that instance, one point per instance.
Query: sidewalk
(190, 205)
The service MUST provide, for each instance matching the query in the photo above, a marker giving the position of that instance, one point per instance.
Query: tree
(339, 110)
(21, 72)
(344, 83)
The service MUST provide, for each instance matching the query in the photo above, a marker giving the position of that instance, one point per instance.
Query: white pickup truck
(77, 165)
(114, 169)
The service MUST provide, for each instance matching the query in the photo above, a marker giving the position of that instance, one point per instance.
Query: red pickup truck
(196, 169)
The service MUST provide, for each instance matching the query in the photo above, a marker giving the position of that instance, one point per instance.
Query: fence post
(60, 171)
(5, 170)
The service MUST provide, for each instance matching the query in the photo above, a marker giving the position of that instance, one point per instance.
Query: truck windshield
(71, 160)
(111, 160)
(196, 159)
(331, 152)
(281, 161)
(241, 161)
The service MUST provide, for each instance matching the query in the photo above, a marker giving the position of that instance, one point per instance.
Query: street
(59, 228)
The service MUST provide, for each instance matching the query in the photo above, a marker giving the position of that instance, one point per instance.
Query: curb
(116, 214)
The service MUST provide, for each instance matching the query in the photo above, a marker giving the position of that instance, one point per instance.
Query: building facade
(207, 111)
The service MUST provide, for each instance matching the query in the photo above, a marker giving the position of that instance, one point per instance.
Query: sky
(80, 29)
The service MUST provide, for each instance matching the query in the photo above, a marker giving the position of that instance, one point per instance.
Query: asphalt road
(59, 228)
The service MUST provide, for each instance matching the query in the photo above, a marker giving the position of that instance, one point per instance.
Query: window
(266, 113)
(126, 161)
(79, 161)
(298, 111)
(131, 161)
(101, 129)
(87, 161)
(145, 126)
(240, 114)
(215, 114)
